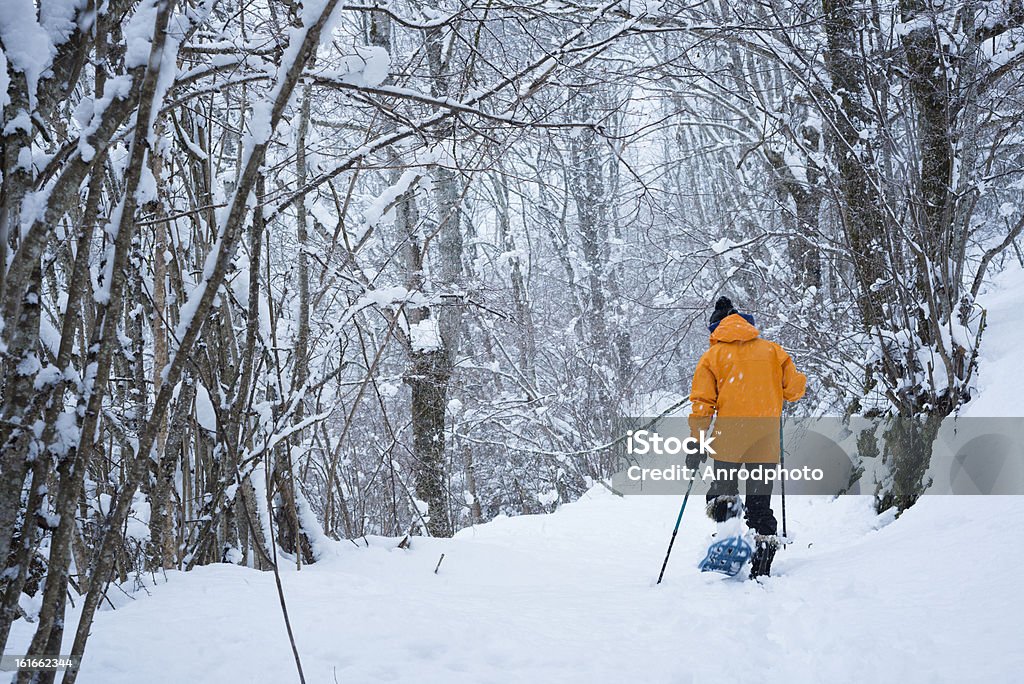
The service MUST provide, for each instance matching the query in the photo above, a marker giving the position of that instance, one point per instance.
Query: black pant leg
(760, 516)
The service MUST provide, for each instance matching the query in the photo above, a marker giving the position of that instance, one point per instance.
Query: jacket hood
(735, 328)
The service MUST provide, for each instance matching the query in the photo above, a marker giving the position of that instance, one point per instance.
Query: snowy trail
(569, 597)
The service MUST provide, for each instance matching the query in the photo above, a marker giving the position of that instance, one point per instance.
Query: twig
(277, 580)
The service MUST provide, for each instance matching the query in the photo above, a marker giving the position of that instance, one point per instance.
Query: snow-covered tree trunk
(291, 536)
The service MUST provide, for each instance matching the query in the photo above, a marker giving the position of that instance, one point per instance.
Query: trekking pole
(675, 530)
(782, 464)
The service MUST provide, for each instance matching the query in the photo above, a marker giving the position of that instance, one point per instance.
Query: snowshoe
(733, 549)
(727, 556)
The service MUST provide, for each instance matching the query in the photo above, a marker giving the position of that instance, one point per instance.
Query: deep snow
(570, 597)
(999, 361)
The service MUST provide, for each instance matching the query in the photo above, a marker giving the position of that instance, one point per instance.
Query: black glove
(693, 461)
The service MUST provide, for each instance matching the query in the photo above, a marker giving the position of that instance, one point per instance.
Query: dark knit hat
(723, 308)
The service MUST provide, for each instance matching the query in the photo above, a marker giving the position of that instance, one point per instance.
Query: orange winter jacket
(742, 381)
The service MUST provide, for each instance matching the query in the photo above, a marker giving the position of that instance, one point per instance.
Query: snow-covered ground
(570, 597)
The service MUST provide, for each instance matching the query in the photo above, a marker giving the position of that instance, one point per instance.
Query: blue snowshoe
(727, 556)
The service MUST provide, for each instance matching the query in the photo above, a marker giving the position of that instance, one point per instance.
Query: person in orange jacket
(741, 382)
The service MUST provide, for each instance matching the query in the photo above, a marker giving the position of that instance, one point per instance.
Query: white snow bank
(569, 597)
(1000, 372)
